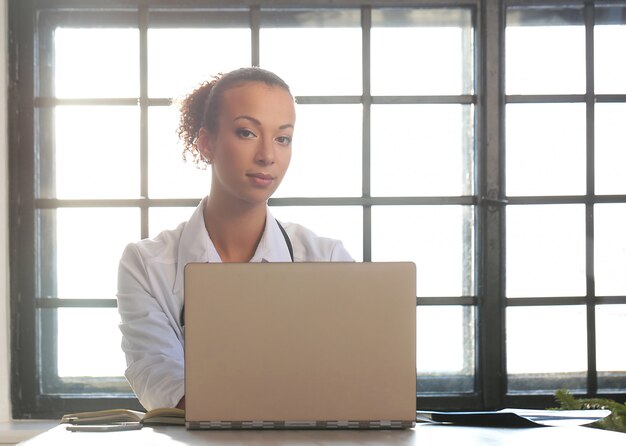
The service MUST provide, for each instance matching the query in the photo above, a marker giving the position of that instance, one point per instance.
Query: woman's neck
(235, 230)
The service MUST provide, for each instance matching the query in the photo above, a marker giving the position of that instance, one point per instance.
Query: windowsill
(15, 431)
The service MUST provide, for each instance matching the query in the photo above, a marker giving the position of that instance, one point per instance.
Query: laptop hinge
(338, 424)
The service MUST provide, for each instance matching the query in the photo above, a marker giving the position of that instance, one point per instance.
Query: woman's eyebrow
(257, 122)
(249, 118)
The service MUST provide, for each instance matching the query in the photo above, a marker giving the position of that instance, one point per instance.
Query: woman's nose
(265, 152)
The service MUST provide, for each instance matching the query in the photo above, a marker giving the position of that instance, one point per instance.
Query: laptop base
(220, 425)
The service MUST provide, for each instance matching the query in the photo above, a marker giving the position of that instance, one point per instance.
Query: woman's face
(251, 149)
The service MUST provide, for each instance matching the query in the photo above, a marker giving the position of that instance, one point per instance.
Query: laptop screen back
(299, 344)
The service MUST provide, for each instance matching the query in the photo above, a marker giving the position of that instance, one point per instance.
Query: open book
(162, 416)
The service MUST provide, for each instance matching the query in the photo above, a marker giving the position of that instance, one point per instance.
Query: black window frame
(488, 199)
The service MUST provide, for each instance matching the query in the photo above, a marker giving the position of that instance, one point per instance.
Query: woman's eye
(285, 140)
(245, 133)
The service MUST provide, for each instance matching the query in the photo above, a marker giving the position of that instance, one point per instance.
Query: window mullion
(366, 27)
(491, 310)
(143, 17)
(592, 374)
(24, 360)
(255, 36)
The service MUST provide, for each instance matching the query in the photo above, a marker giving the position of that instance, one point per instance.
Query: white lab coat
(150, 296)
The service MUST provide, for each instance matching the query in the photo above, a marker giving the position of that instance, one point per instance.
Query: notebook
(300, 345)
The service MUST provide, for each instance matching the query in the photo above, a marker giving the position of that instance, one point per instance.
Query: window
(564, 94)
(417, 125)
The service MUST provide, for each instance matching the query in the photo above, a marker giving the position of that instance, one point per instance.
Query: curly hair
(201, 108)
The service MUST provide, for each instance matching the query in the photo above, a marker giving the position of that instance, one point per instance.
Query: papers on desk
(515, 417)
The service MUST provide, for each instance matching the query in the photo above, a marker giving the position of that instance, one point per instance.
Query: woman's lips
(261, 179)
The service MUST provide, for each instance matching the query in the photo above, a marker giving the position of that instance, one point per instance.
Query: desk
(422, 435)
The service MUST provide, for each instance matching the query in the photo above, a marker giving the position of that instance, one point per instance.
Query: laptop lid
(319, 345)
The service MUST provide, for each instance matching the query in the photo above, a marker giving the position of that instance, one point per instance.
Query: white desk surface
(422, 435)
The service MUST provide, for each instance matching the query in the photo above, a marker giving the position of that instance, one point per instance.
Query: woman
(241, 124)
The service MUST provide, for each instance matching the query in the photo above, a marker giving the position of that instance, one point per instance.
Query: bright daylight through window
(435, 162)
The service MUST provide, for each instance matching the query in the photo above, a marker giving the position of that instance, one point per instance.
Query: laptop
(321, 345)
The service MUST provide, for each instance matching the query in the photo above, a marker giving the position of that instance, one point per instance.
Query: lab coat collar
(195, 245)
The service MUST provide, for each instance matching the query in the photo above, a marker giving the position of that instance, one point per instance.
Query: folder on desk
(516, 417)
(300, 345)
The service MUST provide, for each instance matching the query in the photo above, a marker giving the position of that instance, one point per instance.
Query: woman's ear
(205, 145)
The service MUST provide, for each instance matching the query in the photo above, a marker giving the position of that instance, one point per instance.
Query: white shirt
(150, 296)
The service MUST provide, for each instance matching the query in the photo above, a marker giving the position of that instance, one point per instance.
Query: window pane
(609, 63)
(437, 238)
(326, 156)
(551, 352)
(96, 63)
(315, 52)
(610, 148)
(545, 250)
(180, 59)
(97, 153)
(90, 242)
(610, 249)
(422, 150)
(163, 218)
(344, 223)
(169, 175)
(611, 361)
(455, 368)
(545, 51)
(89, 342)
(545, 149)
(421, 52)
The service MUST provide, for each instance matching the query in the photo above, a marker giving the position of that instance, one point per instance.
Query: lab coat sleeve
(154, 353)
